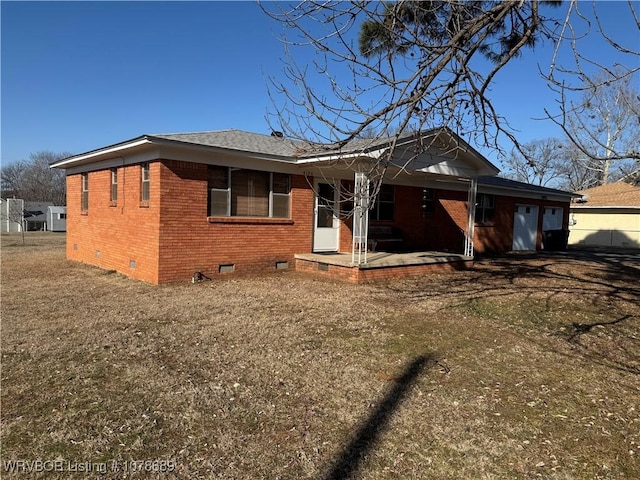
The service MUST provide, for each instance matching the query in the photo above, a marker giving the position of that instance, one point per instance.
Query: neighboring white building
(606, 216)
(57, 219)
(11, 215)
(17, 215)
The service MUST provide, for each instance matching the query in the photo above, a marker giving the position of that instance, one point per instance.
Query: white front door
(525, 227)
(325, 222)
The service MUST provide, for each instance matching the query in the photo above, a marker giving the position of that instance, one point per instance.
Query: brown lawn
(524, 367)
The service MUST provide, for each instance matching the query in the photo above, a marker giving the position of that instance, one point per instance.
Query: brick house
(161, 208)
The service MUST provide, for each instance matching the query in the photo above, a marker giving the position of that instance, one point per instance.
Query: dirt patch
(524, 367)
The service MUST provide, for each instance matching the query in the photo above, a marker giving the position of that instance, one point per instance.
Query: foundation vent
(227, 268)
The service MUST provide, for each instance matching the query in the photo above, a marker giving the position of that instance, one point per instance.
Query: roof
(35, 211)
(272, 147)
(238, 140)
(505, 183)
(617, 194)
(56, 209)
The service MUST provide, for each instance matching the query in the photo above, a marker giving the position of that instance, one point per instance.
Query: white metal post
(360, 219)
(471, 217)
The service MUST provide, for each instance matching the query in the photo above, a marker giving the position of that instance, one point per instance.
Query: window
(247, 193)
(280, 189)
(144, 186)
(85, 192)
(384, 204)
(485, 208)
(62, 216)
(428, 201)
(114, 185)
(218, 186)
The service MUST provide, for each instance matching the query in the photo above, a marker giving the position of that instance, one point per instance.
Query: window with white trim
(114, 185)
(144, 182)
(85, 192)
(237, 192)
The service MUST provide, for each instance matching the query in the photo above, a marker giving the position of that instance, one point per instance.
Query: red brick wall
(498, 235)
(111, 237)
(432, 231)
(444, 228)
(449, 221)
(357, 275)
(170, 238)
(408, 217)
(190, 243)
(345, 234)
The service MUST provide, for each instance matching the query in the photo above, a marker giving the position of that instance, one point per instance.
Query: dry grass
(525, 367)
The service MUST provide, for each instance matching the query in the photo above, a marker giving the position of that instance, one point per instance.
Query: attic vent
(277, 134)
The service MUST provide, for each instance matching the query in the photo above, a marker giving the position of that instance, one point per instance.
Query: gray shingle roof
(515, 185)
(256, 145)
(239, 140)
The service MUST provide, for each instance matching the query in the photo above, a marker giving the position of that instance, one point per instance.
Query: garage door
(552, 218)
(525, 227)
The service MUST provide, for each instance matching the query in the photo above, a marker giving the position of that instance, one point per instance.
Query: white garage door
(525, 227)
(552, 218)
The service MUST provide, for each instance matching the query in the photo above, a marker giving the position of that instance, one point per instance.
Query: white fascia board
(99, 153)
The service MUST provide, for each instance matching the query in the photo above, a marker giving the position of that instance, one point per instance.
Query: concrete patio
(380, 265)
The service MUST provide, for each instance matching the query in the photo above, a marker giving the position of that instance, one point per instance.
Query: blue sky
(82, 75)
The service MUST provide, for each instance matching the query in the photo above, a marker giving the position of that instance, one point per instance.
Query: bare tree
(561, 164)
(630, 173)
(538, 162)
(408, 66)
(33, 181)
(574, 169)
(604, 124)
(12, 215)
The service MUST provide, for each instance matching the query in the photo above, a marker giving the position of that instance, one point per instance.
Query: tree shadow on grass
(582, 328)
(609, 348)
(366, 437)
(604, 284)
